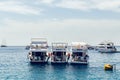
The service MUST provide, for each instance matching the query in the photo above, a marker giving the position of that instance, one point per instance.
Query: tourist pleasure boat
(59, 53)
(79, 56)
(106, 47)
(38, 50)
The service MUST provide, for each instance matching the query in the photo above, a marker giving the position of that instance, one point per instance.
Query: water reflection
(62, 72)
(78, 72)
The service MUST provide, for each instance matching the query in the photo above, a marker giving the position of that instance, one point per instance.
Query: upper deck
(78, 47)
(59, 46)
(106, 43)
(38, 44)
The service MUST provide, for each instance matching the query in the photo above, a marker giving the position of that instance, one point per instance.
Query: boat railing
(38, 43)
(79, 50)
(38, 40)
(38, 47)
(59, 46)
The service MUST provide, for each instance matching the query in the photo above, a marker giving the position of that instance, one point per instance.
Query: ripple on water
(15, 66)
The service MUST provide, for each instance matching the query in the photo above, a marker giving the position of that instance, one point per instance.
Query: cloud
(18, 7)
(65, 24)
(47, 1)
(109, 5)
(25, 7)
(87, 30)
(89, 5)
(74, 4)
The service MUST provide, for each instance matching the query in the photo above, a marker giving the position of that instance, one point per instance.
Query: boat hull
(3, 46)
(107, 51)
(79, 63)
(59, 62)
(38, 62)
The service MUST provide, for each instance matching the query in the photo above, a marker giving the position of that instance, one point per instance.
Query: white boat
(59, 52)
(38, 50)
(79, 53)
(3, 44)
(106, 47)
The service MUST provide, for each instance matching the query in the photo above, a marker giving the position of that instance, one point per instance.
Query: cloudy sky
(90, 21)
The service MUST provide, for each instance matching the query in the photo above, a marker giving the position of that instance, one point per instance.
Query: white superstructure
(78, 53)
(106, 47)
(38, 50)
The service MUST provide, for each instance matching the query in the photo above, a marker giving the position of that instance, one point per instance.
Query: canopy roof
(106, 43)
(38, 41)
(59, 45)
(79, 43)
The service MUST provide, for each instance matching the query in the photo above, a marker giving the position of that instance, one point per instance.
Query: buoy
(108, 67)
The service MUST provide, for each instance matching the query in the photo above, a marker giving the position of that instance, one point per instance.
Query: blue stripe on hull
(59, 63)
(37, 62)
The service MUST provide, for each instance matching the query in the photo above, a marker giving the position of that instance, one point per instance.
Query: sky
(90, 21)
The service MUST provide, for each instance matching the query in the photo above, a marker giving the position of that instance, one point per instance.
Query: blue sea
(14, 65)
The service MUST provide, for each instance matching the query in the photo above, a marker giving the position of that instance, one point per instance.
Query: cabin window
(38, 53)
(78, 53)
(109, 47)
(101, 47)
(39, 56)
(59, 53)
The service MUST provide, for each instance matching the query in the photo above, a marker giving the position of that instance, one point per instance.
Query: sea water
(14, 65)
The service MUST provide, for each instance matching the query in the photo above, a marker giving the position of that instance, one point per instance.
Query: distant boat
(27, 47)
(3, 44)
(106, 47)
